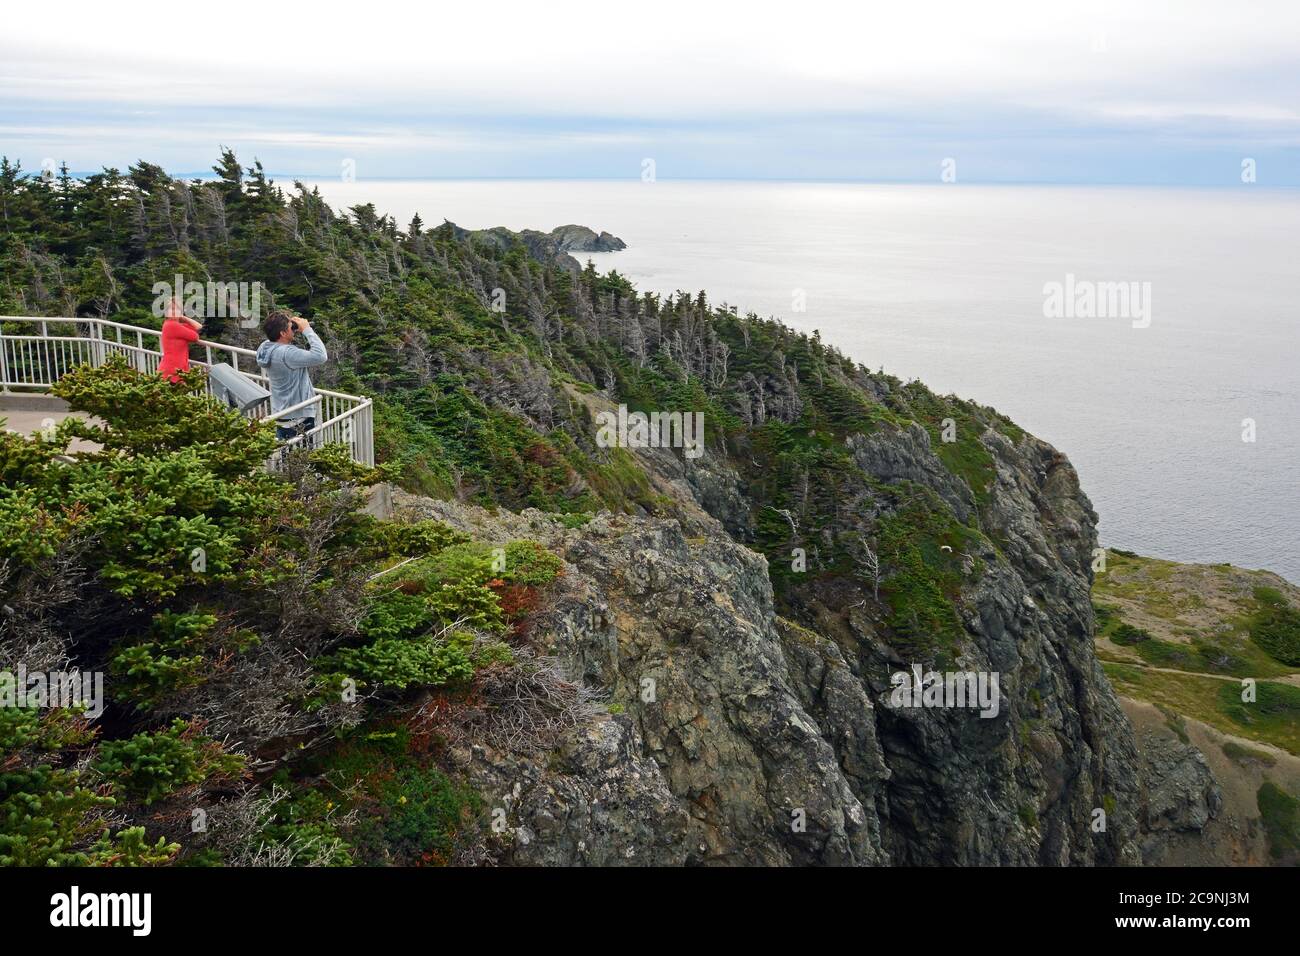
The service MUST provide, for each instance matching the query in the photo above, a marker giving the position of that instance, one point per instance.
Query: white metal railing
(35, 357)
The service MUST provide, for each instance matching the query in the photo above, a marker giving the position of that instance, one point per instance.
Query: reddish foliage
(516, 600)
(427, 722)
(541, 454)
(427, 725)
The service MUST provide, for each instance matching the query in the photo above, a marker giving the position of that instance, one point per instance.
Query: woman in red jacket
(177, 333)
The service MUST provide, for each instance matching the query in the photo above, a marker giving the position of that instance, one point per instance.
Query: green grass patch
(1279, 812)
(955, 427)
(1126, 635)
(1275, 626)
(1247, 755)
(1274, 718)
(1274, 715)
(1199, 657)
(921, 546)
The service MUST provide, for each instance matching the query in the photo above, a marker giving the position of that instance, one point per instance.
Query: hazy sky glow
(1156, 92)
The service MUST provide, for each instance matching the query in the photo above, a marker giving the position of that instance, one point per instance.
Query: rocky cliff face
(736, 735)
(1025, 787)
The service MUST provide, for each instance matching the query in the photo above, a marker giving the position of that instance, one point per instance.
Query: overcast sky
(1141, 92)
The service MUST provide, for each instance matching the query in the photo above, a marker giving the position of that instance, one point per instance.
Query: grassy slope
(1198, 622)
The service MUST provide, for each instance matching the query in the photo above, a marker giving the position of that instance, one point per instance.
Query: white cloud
(668, 59)
(1104, 90)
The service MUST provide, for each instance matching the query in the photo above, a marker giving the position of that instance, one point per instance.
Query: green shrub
(1279, 812)
(471, 563)
(418, 538)
(302, 824)
(448, 589)
(519, 562)
(149, 671)
(49, 816)
(23, 460)
(335, 460)
(465, 604)
(1275, 626)
(425, 814)
(394, 614)
(175, 498)
(1215, 658)
(147, 675)
(527, 562)
(921, 550)
(151, 766)
(408, 811)
(1127, 635)
(398, 663)
(1104, 614)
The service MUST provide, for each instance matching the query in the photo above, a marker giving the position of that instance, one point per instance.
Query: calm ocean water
(946, 283)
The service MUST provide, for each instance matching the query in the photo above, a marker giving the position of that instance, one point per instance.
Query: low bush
(1275, 626)
(1279, 812)
(400, 663)
(1127, 635)
(150, 766)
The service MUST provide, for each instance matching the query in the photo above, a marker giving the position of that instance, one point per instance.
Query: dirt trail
(1292, 679)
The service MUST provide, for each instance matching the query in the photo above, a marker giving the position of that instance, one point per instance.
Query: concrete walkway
(29, 414)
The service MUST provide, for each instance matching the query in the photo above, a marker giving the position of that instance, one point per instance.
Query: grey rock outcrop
(549, 248)
(740, 737)
(1181, 792)
(716, 757)
(573, 238)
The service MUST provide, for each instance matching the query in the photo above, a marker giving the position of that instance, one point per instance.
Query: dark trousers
(300, 427)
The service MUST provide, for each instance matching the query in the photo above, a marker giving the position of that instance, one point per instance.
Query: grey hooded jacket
(286, 368)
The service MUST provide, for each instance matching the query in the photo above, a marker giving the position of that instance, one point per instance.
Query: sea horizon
(323, 177)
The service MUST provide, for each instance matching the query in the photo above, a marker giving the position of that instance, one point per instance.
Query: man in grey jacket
(285, 366)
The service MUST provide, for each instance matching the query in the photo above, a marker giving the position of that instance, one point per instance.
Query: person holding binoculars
(286, 366)
(178, 332)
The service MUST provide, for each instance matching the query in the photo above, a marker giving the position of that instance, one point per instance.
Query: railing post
(366, 449)
(4, 362)
(97, 338)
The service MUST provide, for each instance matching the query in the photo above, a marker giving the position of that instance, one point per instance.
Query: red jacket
(176, 339)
